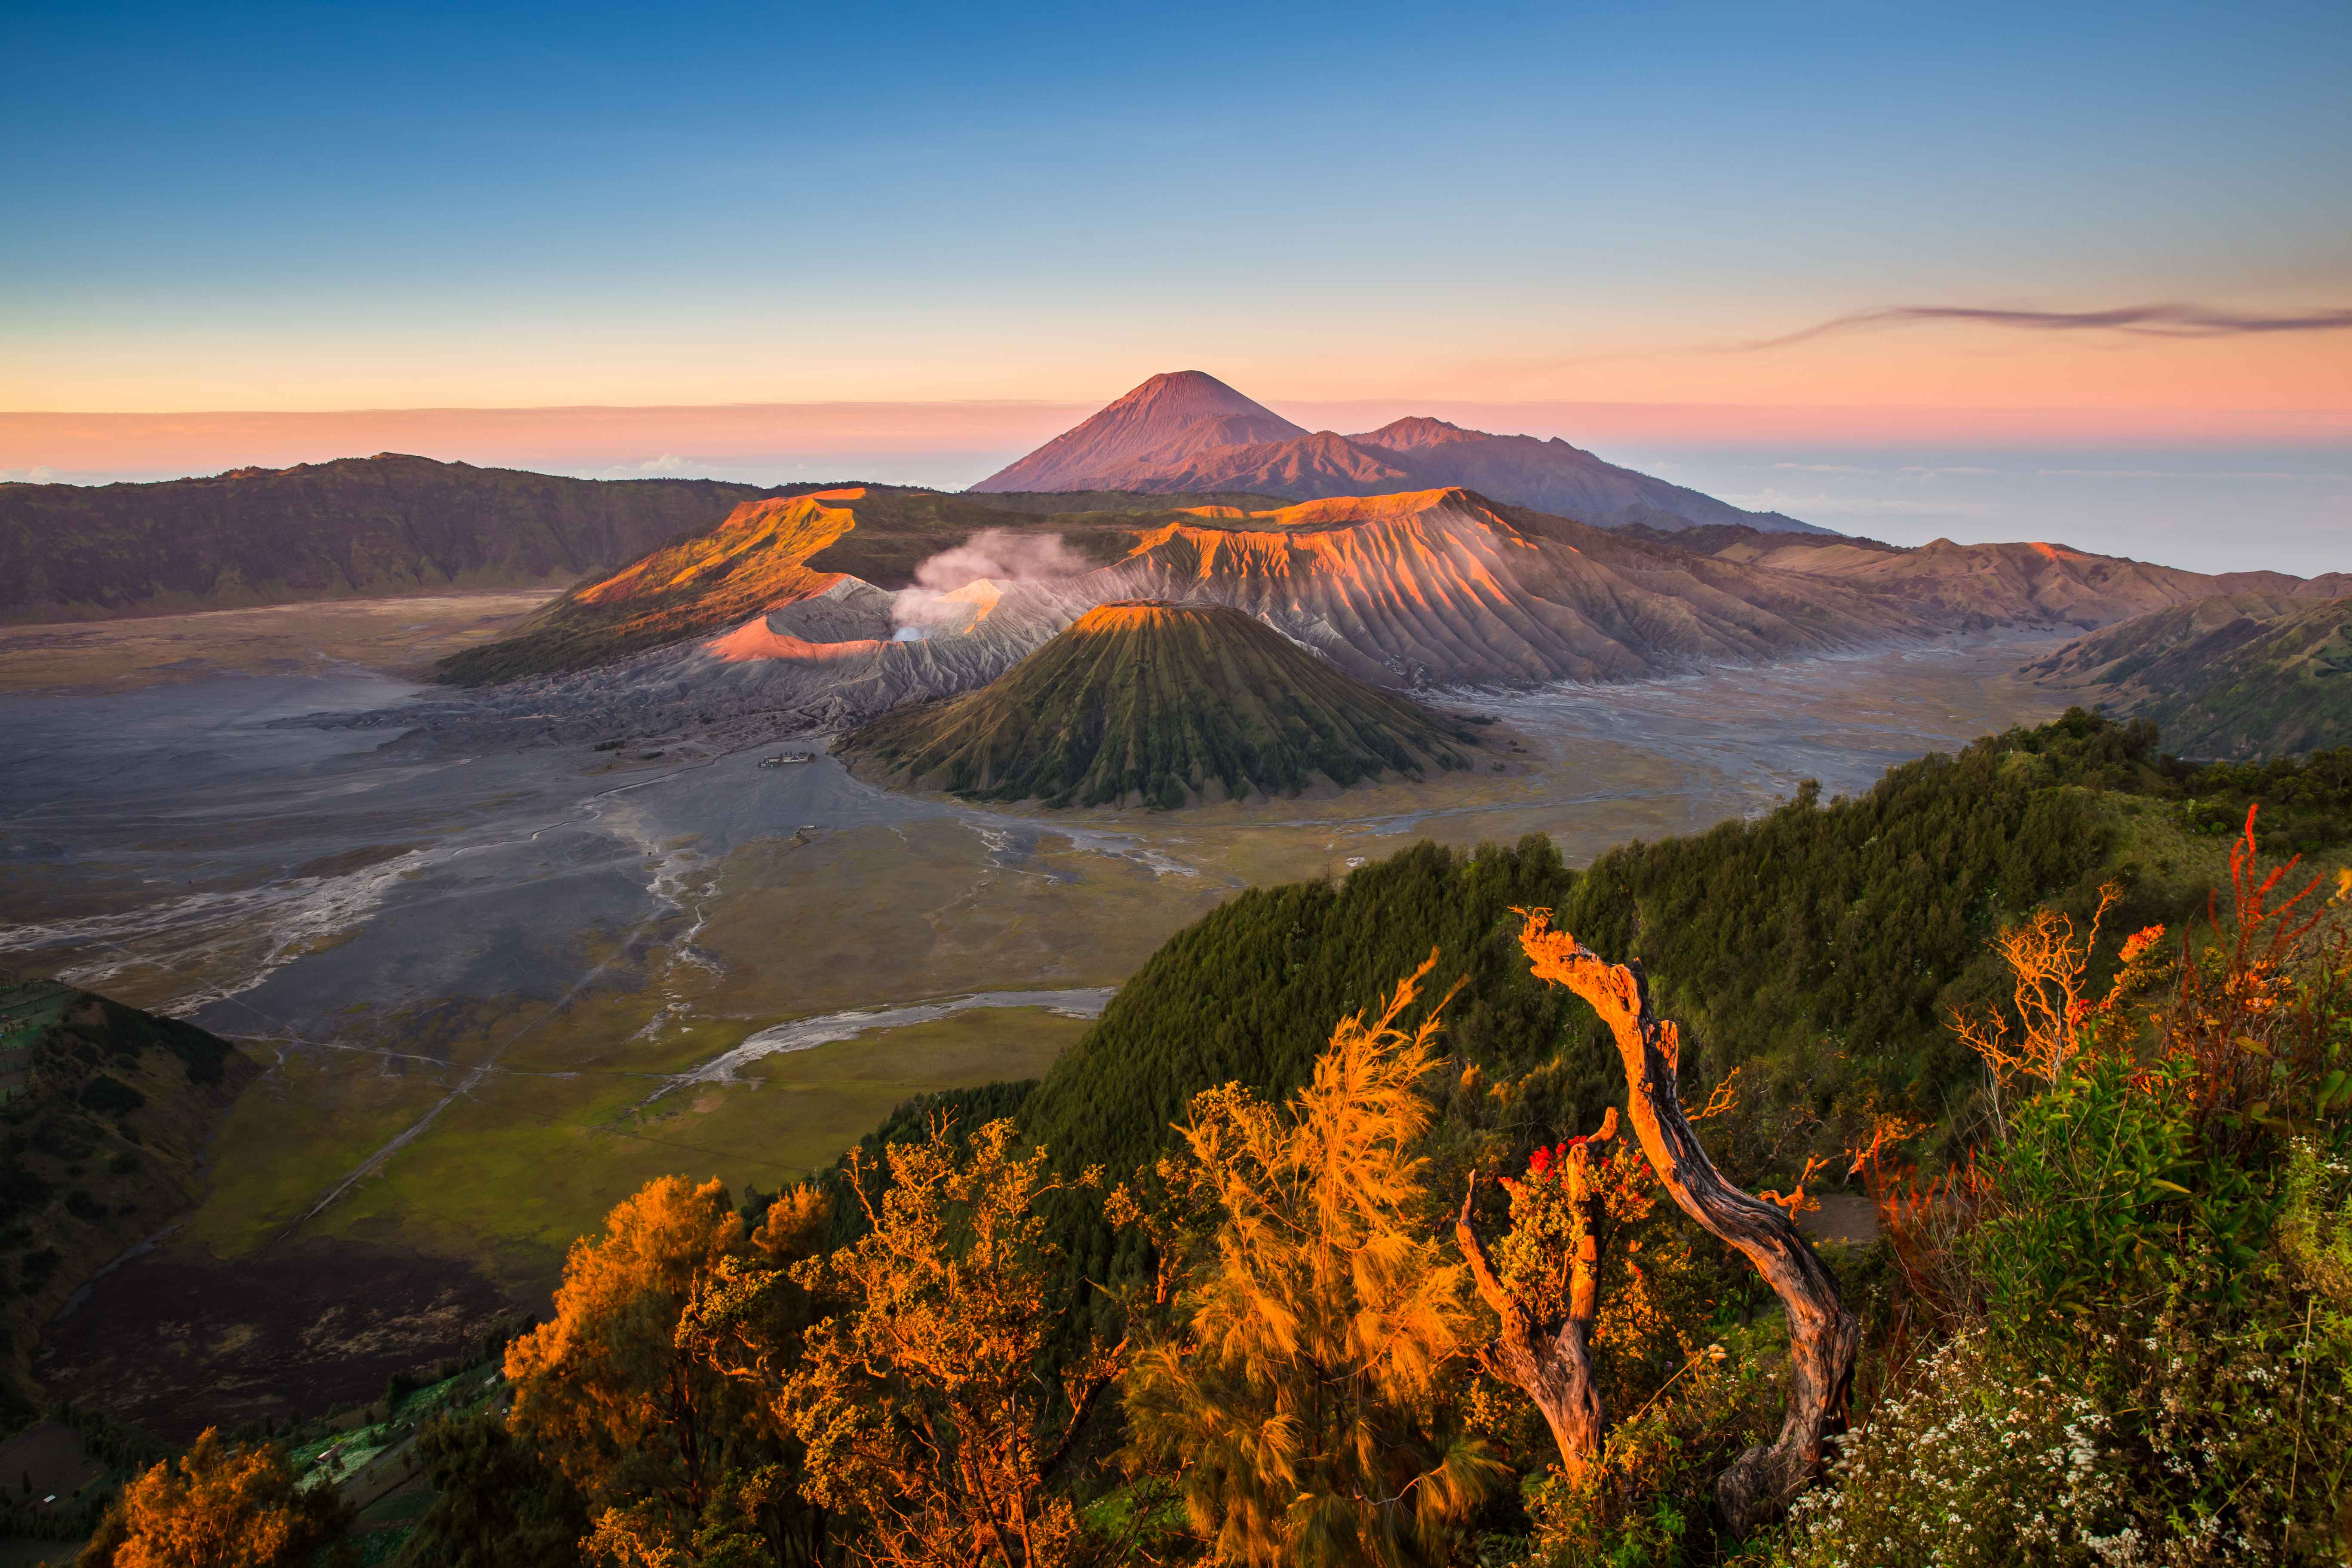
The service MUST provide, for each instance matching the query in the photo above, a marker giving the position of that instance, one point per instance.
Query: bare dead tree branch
(1823, 1337)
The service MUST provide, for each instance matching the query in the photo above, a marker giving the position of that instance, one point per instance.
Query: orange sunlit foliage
(1796, 1200)
(218, 1507)
(1921, 1218)
(2243, 1019)
(1572, 1199)
(607, 1389)
(2053, 1020)
(1723, 1099)
(2246, 1020)
(1575, 1297)
(2245, 1014)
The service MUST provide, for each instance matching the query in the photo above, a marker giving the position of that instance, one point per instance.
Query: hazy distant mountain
(1309, 468)
(1554, 476)
(1161, 704)
(2237, 675)
(1188, 432)
(2024, 583)
(351, 527)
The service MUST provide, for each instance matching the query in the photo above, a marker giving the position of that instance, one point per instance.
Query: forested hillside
(1826, 939)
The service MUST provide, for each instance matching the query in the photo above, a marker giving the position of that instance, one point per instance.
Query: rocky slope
(107, 1111)
(352, 528)
(1159, 704)
(2236, 674)
(1187, 433)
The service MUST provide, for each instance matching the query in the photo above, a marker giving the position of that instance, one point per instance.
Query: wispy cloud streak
(2141, 321)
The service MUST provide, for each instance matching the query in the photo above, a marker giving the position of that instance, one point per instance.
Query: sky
(2091, 240)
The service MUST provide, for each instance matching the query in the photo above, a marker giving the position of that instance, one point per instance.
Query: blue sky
(330, 205)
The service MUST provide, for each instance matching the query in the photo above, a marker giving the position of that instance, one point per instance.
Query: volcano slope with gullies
(1426, 589)
(1159, 704)
(776, 550)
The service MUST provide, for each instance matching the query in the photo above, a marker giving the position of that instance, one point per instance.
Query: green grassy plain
(524, 1162)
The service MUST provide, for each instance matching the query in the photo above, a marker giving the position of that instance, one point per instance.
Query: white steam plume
(998, 553)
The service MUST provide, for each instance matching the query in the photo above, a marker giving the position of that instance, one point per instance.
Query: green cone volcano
(1159, 705)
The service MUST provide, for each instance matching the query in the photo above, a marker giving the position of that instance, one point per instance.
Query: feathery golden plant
(1302, 1403)
(924, 1403)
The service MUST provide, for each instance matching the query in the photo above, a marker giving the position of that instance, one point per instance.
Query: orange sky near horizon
(653, 440)
(1923, 366)
(1936, 383)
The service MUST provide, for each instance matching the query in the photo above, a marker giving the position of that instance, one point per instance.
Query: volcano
(1188, 433)
(1152, 703)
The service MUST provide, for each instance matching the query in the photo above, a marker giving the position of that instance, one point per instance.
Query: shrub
(1979, 1464)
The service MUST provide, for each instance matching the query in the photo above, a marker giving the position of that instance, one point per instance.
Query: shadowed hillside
(106, 1110)
(1156, 704)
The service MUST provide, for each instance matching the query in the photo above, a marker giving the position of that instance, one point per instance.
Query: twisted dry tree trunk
(1552, 1361)
(1822, 1335)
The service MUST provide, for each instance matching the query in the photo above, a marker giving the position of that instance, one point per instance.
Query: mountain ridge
(351, 527)
(2018, 583)
(1405, 589)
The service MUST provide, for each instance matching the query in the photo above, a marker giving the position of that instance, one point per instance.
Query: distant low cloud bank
(2144, 321)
